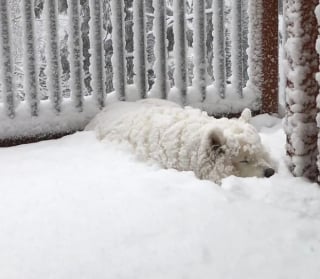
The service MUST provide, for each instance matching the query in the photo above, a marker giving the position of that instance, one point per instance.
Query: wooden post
(200, 61)
(97, 52)
(53, 70)
(75, 47)
(180, 48)
(219, 59)
(302, 88)
(31, 80)
(6, 70)
(140, 54)
(118, 44)
(236, 46)
(317, 12)
(161, 64)
(269, 56)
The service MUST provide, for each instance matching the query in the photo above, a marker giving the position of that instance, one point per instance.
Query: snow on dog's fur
(186, 139)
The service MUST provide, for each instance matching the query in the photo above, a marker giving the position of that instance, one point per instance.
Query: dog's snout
(269, 172)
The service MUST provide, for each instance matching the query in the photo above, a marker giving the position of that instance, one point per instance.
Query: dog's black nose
(268, 172)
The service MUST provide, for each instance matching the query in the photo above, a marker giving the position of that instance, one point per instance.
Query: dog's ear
(216, 139)
(245, 115)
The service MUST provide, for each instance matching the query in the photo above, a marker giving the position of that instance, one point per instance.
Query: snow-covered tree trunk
(118, 57)
(199, 47)
(140, 55)
(219, 57)
(160, 86)
(31, 80)
(236, 45)
(75, 47)
(302, 88)
(97, 52)
(180, 48)
(6, 69)
(53, 70)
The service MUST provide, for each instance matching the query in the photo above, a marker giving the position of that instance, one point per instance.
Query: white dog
(186, 139)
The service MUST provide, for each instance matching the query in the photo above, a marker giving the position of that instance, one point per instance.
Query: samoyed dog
(186, 139)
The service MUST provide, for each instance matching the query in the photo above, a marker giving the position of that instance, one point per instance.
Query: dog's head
(234, 147)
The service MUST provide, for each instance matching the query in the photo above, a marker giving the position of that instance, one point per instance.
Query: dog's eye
(217, 149)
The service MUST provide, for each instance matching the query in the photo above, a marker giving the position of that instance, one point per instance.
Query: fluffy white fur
(185, 139)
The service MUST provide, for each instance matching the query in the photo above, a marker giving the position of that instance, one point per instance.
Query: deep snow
(77, 208)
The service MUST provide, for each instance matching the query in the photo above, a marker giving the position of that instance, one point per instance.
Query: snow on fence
(34, 113)
(302, 88)
(6, 70)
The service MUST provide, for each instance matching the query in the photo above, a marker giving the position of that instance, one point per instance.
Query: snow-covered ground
(77, 208)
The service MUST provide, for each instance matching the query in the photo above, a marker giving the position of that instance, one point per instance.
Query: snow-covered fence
(219, 66)
(31, 82)
(75, 46)
(53, 54)
(118, 40)
(160, 64)
(6, 69)
(189, 82)
(96, 39)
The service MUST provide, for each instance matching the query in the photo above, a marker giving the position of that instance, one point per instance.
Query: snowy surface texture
(82, 209)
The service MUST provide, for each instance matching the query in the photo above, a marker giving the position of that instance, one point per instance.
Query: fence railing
(182, 73)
